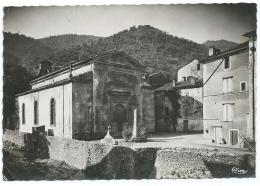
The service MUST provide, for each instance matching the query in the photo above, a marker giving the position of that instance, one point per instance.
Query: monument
(135, 136)
(108, 139)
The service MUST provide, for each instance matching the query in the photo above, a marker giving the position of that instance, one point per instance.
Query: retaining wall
(101, 161)
(202, 163)
(16, 137)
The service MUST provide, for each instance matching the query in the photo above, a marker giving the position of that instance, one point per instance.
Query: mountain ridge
(152, 47)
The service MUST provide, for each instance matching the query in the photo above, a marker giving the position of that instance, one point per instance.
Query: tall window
(227, 63)
(227, 85)
(35, 112)
(53, 112)
(228, 112)
(23, 113)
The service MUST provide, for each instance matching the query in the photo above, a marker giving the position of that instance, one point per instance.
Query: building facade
(189, 87)
(227, 116)
(80, 101)
(178, 105)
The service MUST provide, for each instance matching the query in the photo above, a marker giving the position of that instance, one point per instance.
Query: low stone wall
(79, 154)
(16, 137)
(101, 161)
(201, 163)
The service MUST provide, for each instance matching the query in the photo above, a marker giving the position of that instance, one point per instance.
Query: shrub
(249, 144)
(127, 134)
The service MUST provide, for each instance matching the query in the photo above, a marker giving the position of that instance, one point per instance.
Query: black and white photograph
(129, 91)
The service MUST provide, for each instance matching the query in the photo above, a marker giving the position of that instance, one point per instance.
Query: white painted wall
(62, 76)
(189, 70)
(63, 98)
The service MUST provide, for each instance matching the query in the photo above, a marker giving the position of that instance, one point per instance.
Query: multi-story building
(228, 93)
(178, 105)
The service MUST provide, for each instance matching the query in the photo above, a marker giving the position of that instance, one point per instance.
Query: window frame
(52, 112)
(36, 112)
(226, 118)
(23, 114)
(228, 84)
(229, 62)
(240, 87)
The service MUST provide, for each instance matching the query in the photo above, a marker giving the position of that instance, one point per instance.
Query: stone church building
(81, 100)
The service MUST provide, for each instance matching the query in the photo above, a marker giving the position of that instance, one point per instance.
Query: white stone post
(135, 124)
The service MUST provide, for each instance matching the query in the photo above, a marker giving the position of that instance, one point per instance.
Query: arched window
(23, 113)
(53, 111)
(35, 112)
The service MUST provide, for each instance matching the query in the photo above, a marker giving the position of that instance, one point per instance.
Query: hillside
(222, 44)
(26, 50)
(156, 49)
(67, 40)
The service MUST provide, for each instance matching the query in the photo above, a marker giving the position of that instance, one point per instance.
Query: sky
(197, 22)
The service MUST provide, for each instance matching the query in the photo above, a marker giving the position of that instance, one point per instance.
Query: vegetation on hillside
(222, 44)
(67, 40)
(15, 80)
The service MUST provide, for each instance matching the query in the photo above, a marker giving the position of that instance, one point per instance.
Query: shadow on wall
(36, 145)
(245, 167)
(123, 163)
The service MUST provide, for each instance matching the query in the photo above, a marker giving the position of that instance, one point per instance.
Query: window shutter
(224, 85)
(230, 110)
(224, 112)
(230, 85)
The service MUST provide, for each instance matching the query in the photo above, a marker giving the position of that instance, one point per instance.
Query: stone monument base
(139, 139)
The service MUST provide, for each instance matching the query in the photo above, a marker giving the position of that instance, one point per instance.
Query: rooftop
(235, 50)
(86, 60)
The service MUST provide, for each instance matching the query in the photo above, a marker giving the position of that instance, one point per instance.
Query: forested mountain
(222, 44)
(26, 50)
(67, 40)
(156, 49)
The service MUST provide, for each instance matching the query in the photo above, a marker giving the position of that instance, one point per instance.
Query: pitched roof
(250, 34)
(187, 84)
(235, 50)
(88, 60)
(180, 85)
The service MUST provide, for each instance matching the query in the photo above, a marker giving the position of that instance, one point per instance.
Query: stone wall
(15, 137)
(201, 163)
(100, 161)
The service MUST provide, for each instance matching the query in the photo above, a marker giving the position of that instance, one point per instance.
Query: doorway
(233, 136)
(185, 125)
(218, 134)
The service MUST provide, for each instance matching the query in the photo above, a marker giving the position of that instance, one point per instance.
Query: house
(178, 105)
(189, 87)
(81, 100)
(228, 93)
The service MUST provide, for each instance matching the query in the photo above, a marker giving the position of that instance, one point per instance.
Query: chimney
(173, 83)
(213, 51)
(44, 68)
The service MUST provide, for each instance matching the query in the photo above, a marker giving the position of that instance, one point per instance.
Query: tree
(173, 96)
(15, 80)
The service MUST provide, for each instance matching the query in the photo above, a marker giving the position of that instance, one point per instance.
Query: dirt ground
(18, 166)
(168, 140)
